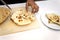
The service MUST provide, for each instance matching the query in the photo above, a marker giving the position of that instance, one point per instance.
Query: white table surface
(42, 33)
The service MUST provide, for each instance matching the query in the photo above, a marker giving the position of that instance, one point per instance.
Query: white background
(42, 33)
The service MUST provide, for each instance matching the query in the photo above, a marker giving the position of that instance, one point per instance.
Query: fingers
(35, 9)
(27, 6)
(34, 6)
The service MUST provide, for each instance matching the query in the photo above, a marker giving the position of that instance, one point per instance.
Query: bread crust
(4, 12)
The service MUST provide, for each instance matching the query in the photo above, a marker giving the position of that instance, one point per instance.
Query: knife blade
(5, 4)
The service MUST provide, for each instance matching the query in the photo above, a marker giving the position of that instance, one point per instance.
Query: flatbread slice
(53, 18)
(22, 17)
(4, 13)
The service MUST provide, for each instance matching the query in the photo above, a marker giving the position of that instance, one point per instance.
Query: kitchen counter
(42, 33)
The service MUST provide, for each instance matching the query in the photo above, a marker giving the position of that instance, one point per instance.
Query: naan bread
(22, 17)
(4, 13)
(53, 18)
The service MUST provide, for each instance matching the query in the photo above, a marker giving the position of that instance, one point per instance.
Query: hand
(34, 6)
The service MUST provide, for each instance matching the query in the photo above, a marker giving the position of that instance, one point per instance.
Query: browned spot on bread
(21, 10)
(16, 16)
(20, 20)
(19, 17)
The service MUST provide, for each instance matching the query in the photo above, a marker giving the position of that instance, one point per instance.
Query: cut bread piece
(22, 17)
(53, 18)
(4, 13)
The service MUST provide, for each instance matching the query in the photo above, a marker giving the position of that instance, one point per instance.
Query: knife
(5, 4)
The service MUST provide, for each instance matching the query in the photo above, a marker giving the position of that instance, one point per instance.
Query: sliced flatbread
(22, 17)
(4, 13)
(53, 18)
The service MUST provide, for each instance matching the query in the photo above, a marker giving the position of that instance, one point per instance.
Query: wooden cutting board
(8, 27)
